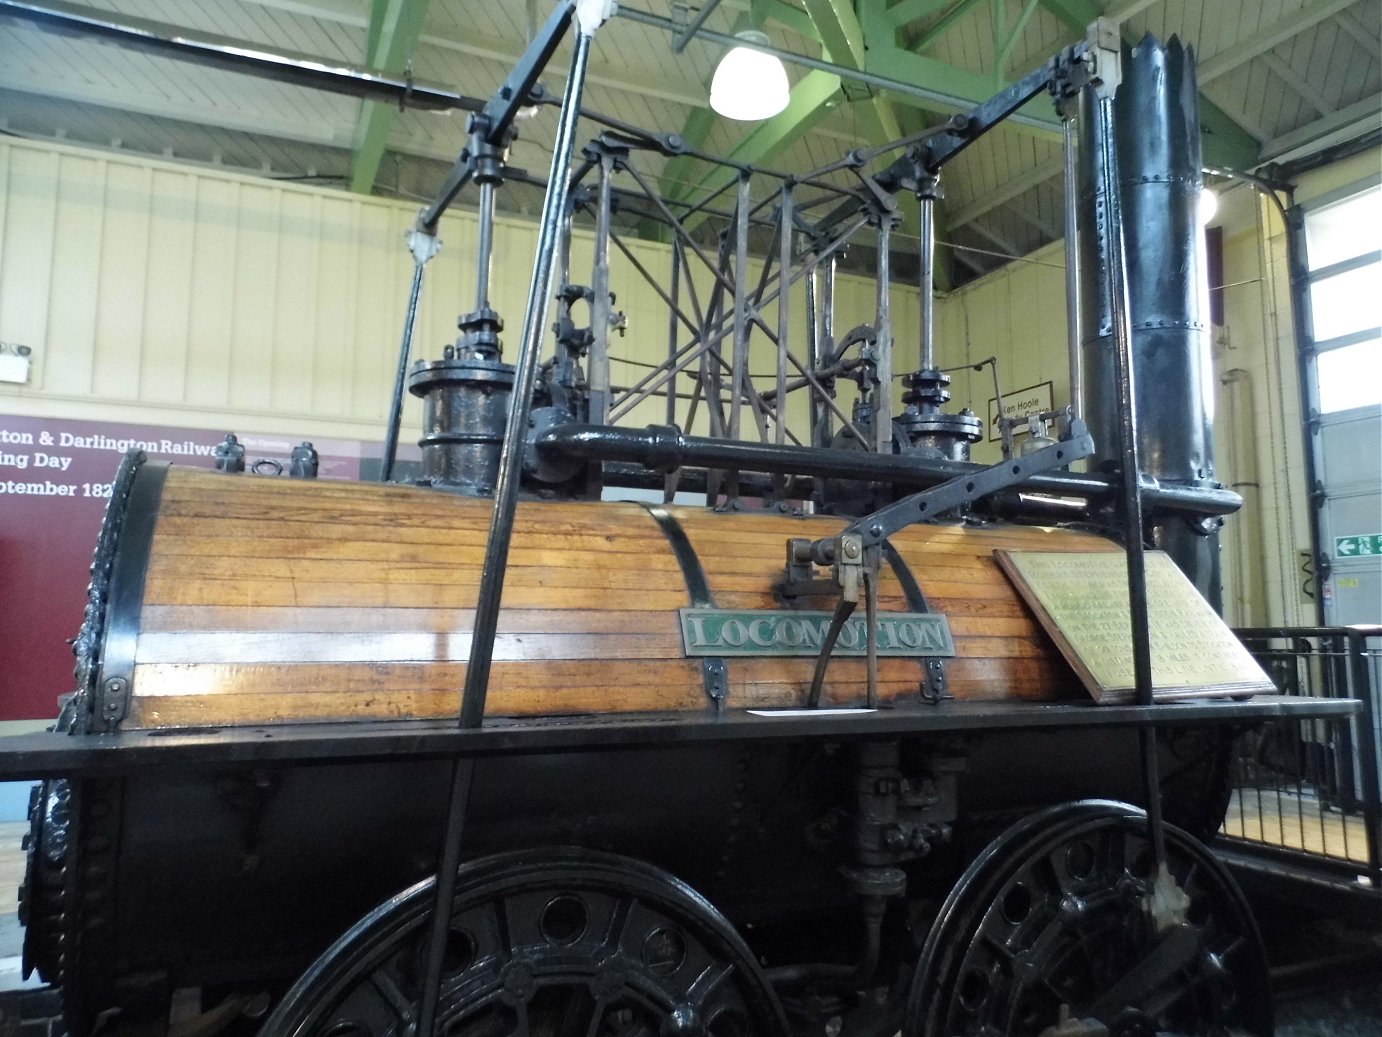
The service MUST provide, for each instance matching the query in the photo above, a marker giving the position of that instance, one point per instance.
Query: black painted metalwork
(714, 669)
(1155, 125)
(792, 820)
(87, 648)
(667, 448)
(954, 493)
(466, 398)
(933, 681)
(134, 530)
(1309, 794)
(558, 941)
(1051, 925)
(495, 120)
(405, 349)
(238, 56)
(24, 757)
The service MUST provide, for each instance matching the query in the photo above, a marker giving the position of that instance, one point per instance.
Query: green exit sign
(1363, 545)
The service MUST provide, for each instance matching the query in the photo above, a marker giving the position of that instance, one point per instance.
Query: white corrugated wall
(154, 292)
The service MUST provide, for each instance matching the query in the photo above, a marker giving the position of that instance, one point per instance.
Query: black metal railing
(1308, 791)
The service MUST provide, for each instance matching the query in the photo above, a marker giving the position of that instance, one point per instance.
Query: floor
(1297, 821)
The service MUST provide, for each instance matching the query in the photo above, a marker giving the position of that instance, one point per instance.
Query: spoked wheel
(1050, 922)
(568, 944)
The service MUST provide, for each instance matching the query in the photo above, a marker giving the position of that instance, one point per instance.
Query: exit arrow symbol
(1348, 546)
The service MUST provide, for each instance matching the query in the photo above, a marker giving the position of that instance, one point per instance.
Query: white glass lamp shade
(1209, 206)
(749, 84)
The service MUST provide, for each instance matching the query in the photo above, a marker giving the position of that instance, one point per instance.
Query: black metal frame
(1330, 664)
(46, 754)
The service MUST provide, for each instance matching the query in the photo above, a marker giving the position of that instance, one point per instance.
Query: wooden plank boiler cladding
(270, 600)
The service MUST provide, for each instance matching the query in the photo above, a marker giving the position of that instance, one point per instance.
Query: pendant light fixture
(748, 83)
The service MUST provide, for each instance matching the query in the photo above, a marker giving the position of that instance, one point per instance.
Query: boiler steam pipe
(667, 448)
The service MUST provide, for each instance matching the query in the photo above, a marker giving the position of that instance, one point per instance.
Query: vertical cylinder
(1072, 267)
(740, 371)
(1158, 152)
(928, 281)
(883, 348)
(825, 428)
(599, 303)
(485, 253)
(674, 290)
(786, 217)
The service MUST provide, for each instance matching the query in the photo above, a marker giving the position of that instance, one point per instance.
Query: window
(1343, 245)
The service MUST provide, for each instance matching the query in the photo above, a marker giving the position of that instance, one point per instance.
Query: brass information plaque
(1082, 602)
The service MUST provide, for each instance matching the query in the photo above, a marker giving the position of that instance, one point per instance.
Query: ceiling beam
(508, 52)
(1350, 23)
(943, 24)
(1130, 9)
(1002, 243)
(1225, 142)
(842, 41)
(950, 89)
(394, 28)
(806, 106)
(158, 106)
(1014, 188)
(1226, 60)
(913, 10)
(963, 255)
(844, 31)
(842, 36)
(1334, 128)
(1046, 231)
(1298, 83)
(676, 179)
(785, 14)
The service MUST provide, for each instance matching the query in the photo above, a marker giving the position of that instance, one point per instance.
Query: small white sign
(1020, 404)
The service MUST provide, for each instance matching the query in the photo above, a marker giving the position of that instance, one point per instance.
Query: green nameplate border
(782, 632)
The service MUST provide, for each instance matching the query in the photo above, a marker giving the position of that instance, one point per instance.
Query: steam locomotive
(808, 768)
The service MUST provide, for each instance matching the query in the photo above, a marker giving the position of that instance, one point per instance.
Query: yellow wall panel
(167, 328)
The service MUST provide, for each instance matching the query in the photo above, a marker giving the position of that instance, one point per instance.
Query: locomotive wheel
(1049, 923)
(566, 944)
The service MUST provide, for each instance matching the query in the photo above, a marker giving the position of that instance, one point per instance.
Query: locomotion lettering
(766, 632)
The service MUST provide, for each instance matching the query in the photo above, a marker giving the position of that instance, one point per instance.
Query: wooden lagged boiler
(806, 768)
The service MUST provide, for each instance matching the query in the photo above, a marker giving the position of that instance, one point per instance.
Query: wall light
(749, 84)
(1209, 205)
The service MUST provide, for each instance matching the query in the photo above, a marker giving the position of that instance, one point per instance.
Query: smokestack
(1157, 135)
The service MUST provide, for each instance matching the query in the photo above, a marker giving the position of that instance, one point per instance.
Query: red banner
(55, 478)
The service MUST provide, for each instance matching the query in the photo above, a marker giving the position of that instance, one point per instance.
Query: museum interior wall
(156, 293)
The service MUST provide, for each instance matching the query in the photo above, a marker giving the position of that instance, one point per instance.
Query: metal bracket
(934, 683)
(422, 245)
(714, 671)
(114, 699)
(964, 489)
(1105, 56)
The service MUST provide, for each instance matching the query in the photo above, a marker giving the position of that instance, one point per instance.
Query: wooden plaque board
(1082, 602)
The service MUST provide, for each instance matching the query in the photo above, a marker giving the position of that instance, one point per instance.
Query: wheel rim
(573, 945)
(1050, 917)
